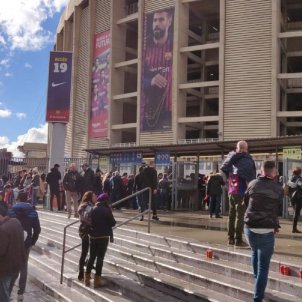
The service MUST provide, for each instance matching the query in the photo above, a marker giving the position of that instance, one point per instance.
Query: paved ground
(33, 294)
(192, 226)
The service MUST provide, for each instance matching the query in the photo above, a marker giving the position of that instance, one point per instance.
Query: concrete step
(177, 289)
(165, 254)
(126, 288)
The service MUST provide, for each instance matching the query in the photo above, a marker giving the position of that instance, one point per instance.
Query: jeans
(4, 288)
(85, 248)
(34, 198)
(262, 246)
(98, 248)
(215, 201)
(23, 276)
(236, 214)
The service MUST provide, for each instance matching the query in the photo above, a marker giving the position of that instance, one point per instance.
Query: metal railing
(64, 251)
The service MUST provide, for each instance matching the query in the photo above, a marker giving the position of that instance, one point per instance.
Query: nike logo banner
(59, 86)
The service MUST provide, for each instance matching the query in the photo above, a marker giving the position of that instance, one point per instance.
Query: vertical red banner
(98, 124)
(156, 93)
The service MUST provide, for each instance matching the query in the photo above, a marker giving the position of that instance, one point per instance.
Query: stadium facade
(149, 72)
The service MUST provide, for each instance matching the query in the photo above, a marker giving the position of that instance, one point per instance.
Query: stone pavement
(190, 226)
(198, 226)
(33, 294)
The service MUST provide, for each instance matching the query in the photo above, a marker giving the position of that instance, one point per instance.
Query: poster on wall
(59, 85)
(156, 78)
(98, 124)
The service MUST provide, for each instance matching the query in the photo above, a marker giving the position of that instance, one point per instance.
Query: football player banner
(59, 85)
(156, 78)
(98, 124)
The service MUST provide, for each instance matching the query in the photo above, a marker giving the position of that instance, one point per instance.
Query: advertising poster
(156, 94)
(59, 85)
(98, 124)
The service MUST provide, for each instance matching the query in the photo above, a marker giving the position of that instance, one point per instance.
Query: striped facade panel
(156, 138)
(154, 5)
(102, 17)
(68, 137)
(95, 143)
(81, 98)
(248, 69)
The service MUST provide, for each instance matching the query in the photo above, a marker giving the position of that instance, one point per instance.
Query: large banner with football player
(59, 85)
(156, 93)
(98, 125)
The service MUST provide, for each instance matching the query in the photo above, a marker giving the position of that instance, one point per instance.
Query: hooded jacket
(29, 219)
(264, 199)
(53, 178)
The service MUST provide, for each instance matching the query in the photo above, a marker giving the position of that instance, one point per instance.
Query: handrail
(64, 251)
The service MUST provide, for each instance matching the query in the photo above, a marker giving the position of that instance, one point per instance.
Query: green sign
(292, 152)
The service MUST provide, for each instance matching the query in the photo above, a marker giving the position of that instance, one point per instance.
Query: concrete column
(181, 27)
(57, 144)
(221, 67)
(276, 25)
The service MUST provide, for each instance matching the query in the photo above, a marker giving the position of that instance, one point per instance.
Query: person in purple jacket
(240, 168)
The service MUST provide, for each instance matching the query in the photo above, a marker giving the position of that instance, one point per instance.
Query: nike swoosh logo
(57, 84)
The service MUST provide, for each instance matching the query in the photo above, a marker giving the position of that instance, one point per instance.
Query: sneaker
(211, 216)
(20, 298)
(241, 244)
(218, 216)
(231, 241)
(155, 218)
(142, 218)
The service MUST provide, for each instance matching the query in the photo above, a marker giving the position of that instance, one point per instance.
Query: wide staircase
(153, 268)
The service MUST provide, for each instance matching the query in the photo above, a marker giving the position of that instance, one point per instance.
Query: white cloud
(2, 40)
(33, 135)
(21, 115)
(4, 62)
(27, 65)
(5, 113)
(8, 74)
(21, 22)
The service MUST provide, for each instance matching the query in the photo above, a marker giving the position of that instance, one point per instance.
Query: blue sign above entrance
(126, 158)
(162, 158)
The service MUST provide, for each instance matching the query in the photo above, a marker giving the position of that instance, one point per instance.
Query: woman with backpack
(85, 209)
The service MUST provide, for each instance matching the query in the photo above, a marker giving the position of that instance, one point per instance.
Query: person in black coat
(88, 178)
(53, 178)
(29, 220)
(102, 221)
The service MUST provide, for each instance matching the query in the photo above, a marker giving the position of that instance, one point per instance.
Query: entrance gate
(185, 195)
(288, 167)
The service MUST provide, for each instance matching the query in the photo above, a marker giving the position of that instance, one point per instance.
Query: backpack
(85, 218)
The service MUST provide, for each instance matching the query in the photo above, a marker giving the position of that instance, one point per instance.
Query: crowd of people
(254, 208)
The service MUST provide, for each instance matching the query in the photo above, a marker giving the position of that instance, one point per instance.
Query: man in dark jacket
(263, 198)
(295, 191)
(29, 220)
(70, 181)
(53, 178)
(12, 252)
(149, 180)
(214, 190)
(239, 166)
(88, 178)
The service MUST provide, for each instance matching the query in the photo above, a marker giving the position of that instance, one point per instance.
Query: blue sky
(27, 31)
